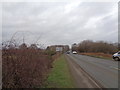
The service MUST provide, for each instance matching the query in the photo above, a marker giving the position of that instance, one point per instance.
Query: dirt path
(81, 78)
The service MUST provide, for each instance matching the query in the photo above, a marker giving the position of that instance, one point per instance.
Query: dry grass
(99, 55)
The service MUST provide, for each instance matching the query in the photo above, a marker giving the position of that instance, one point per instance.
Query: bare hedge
(24, 68)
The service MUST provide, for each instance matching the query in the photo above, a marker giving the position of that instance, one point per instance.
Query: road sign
(59, 49)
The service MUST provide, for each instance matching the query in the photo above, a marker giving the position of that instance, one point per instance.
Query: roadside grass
(99, 55)
(60, 76)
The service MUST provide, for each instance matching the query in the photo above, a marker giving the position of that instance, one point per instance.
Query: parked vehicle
(68, 52)
(116, 56)
(74, 52)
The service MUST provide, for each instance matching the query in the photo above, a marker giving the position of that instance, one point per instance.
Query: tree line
(88, 46)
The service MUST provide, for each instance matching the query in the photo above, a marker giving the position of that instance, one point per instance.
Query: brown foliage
(24, 68)
(102, 47)
(97, 54)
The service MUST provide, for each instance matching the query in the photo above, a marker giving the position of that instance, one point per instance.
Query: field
(98, 55)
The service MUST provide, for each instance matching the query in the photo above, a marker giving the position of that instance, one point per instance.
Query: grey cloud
(61, 23)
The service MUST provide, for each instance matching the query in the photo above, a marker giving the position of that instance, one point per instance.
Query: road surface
(105, 72)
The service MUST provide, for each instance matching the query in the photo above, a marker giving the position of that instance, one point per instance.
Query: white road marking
(87, 75)
(115, 68)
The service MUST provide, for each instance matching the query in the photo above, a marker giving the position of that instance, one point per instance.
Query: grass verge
(60, 76)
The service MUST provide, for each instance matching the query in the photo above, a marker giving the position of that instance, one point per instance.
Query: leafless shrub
(23, 66)
(100, 46)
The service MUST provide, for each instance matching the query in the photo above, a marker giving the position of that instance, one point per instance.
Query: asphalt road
(103, 71)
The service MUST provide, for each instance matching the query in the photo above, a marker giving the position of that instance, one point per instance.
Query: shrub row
(24, 68)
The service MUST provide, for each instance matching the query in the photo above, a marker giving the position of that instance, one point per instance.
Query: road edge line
(88, 75)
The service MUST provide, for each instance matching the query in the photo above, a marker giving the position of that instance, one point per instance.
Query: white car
(116, 56)
(74, 52)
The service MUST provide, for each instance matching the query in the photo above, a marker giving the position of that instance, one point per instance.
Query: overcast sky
(60, 22)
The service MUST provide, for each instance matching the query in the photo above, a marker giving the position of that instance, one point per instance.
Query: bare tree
(100, 46)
